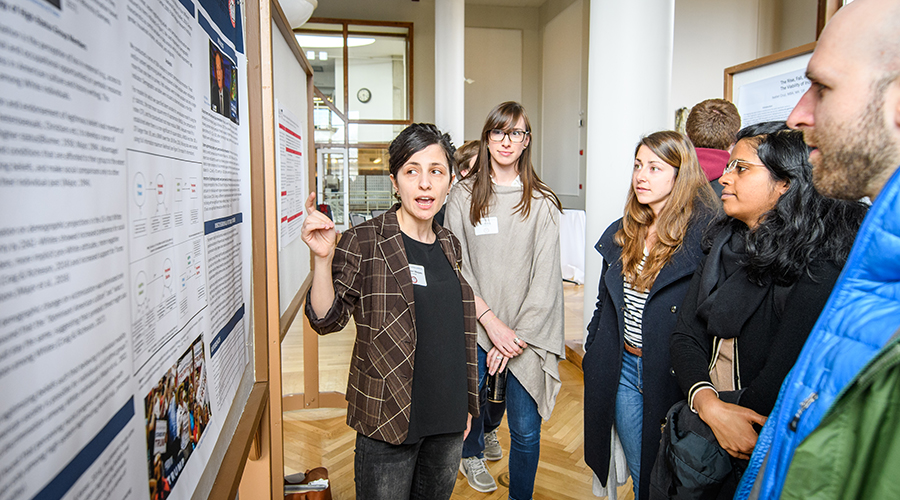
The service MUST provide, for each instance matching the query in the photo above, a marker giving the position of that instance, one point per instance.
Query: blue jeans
(630, 414)
(489, 418)
(524, 431)
(423, 471)
(525, 439)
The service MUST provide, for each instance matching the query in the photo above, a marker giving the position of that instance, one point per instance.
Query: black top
(770, 323)
(439, 398)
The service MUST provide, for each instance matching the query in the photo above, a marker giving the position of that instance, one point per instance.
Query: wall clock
(364, 95)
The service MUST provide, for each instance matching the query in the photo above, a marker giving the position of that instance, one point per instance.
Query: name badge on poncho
(487, 225)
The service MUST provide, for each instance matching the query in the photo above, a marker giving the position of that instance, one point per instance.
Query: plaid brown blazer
(372, 282)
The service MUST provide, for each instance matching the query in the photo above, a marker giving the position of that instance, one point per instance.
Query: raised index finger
(311, 203)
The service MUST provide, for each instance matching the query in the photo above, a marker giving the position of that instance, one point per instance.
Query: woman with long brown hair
(649, 256)
(507, 220)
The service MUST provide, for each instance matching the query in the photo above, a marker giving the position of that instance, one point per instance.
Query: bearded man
(835, 430)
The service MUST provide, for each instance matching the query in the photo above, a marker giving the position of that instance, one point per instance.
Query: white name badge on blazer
(487, 225)
(418, 274)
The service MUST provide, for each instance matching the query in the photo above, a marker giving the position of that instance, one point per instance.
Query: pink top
(713, 162)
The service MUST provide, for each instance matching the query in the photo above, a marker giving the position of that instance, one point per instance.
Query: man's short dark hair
(713, 124)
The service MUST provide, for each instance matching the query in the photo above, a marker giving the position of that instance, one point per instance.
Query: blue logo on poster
(226, 16)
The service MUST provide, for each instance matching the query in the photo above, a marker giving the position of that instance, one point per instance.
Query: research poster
(771, 99)
(291, 168)
(124, 243)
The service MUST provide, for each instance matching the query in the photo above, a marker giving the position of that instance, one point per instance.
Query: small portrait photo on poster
(223, 89)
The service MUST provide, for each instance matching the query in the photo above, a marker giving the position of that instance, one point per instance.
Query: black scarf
(727, 298)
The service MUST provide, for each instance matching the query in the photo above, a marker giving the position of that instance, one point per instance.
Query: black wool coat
(602, 363)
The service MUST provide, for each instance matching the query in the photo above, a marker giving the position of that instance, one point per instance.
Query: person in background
(850, 116)
(755, 297)
(649, 256)
(507, 220)
(413, 368)
(491, 412)
(712, 127)
(466, 156)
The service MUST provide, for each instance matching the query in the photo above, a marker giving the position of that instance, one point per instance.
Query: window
(363, 99)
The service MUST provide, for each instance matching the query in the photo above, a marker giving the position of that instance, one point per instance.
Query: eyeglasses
(515, 136)
(733, 164)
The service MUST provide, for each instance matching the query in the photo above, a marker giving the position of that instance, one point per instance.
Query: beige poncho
(514, 265)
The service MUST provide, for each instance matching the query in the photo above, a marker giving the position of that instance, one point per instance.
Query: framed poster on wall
(768, 88)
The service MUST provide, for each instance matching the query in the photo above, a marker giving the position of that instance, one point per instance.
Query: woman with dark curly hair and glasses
(752, 302)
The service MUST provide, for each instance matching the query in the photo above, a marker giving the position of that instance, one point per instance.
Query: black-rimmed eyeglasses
(515, 136)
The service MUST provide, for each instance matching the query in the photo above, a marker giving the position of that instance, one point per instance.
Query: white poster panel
(771, 99)
(124, 184)
(291, 168)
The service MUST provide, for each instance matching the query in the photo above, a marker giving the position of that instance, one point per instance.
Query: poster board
(768, 88)
(125, 254)
(295, 161)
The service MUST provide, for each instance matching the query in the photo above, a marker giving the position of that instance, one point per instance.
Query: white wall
(378, 78)
(496, 78)
(562, 106)
(798, 23)
(525, 20)
(710, 35)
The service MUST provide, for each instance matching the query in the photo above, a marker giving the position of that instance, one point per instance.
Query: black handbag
(690, 463)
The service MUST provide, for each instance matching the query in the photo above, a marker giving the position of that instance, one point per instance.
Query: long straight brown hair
(690, 187)
(504, 117)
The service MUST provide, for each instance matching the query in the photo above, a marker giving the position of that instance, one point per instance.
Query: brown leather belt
(634, 350)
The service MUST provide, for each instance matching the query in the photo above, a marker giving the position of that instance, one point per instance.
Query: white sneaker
(479, 477)
(492, 449)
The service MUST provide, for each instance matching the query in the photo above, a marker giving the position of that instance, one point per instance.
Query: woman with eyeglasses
(752, 302)
(649, 256)
(507, 220)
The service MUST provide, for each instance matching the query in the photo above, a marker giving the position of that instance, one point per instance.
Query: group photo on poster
(177, 411)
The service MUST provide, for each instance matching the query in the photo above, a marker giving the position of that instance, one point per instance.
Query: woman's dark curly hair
(804, 226)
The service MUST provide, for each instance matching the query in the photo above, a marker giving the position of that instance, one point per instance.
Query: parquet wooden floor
(322, 437)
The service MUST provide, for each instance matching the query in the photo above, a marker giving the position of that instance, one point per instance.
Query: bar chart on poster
(124, 244)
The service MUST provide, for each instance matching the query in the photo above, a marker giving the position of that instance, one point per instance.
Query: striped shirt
(634, 309)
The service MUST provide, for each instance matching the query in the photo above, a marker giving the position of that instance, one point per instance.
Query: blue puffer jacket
(861, 314)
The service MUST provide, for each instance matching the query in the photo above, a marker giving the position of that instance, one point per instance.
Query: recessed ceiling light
(331, 42)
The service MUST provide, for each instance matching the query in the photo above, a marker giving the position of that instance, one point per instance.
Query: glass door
(332, 183)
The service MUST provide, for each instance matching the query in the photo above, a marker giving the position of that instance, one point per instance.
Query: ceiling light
(323, 56)
(311, 55)
(298, 11)
(331, 42)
